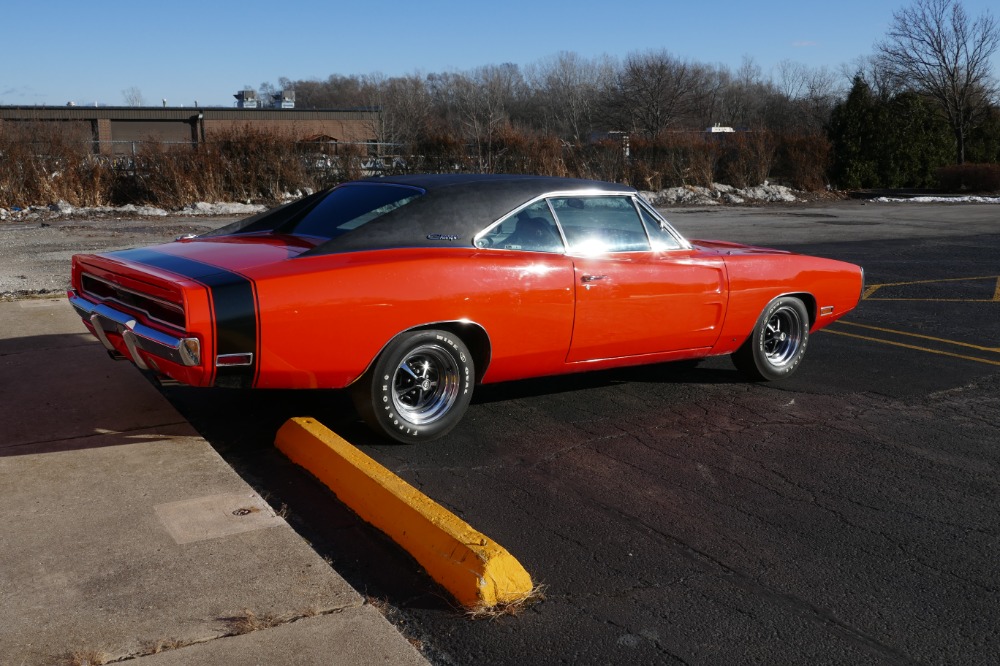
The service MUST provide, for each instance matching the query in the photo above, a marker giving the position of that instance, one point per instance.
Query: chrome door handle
(587, 279)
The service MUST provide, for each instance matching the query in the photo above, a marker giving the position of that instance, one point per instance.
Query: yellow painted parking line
(955, 279)
(937, 300)
(915, 347)
(871, 289)
(994, 350)
(477, 571)
(924, 349)
(869, 295)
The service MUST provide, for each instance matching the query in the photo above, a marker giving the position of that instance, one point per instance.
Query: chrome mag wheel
(419, 386)
(778, 342)
(425, 386)
(783, 335)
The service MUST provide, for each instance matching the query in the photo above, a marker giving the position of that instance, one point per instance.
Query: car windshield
(348, 207)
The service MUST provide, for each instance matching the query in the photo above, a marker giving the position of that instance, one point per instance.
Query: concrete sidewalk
(125, 535)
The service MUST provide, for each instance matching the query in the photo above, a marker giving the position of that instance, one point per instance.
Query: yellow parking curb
(477, 571)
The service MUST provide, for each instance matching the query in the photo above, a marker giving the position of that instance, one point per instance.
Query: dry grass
(248, 164)
(45, 163)
(162, 645)
(86, 658)
(381, 605)
(247, 621)
(51, 164)
(511, 608)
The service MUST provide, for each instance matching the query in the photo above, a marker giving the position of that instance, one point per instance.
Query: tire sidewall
(764, 365)
(383, 413)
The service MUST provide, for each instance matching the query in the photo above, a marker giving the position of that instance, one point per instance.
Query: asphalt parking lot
(679, 514)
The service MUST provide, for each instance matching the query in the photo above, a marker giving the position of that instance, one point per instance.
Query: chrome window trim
(547, 196)
(602, 193)
(559, 228)
(665, 225)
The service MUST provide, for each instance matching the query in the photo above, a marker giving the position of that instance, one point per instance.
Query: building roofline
(176, 113)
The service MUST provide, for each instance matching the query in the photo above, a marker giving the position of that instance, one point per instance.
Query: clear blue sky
(59, 51)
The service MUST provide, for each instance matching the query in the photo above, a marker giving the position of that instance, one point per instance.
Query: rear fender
(471, 333)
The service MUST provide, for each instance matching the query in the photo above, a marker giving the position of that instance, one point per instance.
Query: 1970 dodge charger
(412, 290)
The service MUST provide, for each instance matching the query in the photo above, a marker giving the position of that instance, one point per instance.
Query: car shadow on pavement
(59, 392)
(708, 371)
(241, 425)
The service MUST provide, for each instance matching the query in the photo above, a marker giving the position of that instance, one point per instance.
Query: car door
(634, 297)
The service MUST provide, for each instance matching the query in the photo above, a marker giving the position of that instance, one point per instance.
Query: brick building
(117, 130)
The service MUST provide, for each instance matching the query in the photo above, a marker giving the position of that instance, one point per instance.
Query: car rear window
(348, 207)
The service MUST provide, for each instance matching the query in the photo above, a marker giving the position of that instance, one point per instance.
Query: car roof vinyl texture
(454, 209)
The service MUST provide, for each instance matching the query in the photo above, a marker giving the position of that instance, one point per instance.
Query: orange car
(412, 290)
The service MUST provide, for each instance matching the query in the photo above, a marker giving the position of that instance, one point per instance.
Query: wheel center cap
(425, 385)
(783, 337)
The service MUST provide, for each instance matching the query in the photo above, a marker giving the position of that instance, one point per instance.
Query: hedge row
(974, 178)
(41, 165)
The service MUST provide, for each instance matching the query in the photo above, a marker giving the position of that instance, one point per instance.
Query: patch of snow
(989, 200)
(720, 194)
(770, 193)
(64, 209)
(203, 208)
(297, 194)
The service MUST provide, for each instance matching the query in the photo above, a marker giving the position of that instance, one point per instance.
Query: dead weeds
(510, 608)
(247, 621)
(86, 657)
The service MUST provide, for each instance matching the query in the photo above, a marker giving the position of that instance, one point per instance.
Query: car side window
(532, 229)
(659, 233)
(599, 224)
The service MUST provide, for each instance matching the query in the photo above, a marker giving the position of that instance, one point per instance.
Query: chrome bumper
(137, 336)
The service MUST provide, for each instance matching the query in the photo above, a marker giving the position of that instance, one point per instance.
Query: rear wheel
(419, 387)
(775, 348)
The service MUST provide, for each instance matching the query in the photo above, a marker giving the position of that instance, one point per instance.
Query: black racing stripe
(234, 309)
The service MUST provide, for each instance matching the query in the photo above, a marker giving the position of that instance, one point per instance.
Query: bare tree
(872, 71)
(569, 86)
(739, 99)
(404, 104)
(792, 78)
(934, 48)
(655, 90)
(266, 93)
(476, 105)
(133, 96)
(336, 92)
(808, 93)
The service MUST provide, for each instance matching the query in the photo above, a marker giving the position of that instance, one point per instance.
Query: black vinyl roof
(454, 209)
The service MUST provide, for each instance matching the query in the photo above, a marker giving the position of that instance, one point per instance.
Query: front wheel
(419, 387)
(775, 348)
